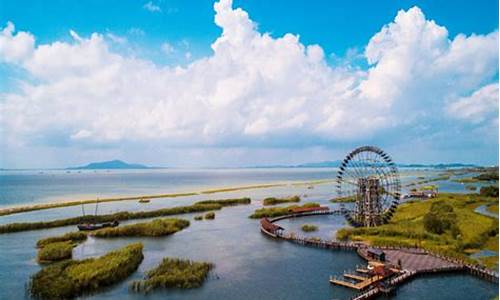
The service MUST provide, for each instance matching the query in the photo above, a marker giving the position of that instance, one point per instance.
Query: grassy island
(75, 237)
(158, 227)
(54, 252)
(119, 216)
(270, 212)
(226, 202)
(209, 215)
(446, 224)
(71, 278)
(343, 199)
(309, 227)
(58, 248)
(174, 273)
(274, 201)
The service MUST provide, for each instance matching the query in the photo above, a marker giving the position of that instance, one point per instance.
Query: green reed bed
(174, 273)
(309, 227)
(209, 215)
(120, 216)
(72, 278)
(270, 212)
(154, 228)
(274, 201)
(55, 252)
(226, 202)
(75, 237)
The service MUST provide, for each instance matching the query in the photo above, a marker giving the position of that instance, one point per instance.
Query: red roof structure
(299, 210)
(268, 226)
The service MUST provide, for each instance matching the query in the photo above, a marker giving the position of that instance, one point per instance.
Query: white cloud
(150, 6)
(15, 48)
(167, 48)
(476, 107)
(116, 38)
(253, 89)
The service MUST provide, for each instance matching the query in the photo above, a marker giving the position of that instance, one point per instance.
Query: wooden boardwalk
(413, 261)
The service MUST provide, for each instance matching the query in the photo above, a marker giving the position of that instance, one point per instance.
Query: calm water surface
(248, 264)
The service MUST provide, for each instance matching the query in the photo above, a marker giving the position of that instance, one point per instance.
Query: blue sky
(274, 82)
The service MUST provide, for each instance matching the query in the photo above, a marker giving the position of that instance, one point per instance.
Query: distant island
(112, 164)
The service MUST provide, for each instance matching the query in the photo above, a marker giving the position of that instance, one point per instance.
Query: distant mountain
(112, 164)
(337, 163)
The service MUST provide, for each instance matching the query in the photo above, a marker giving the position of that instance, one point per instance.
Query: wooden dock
(363, 283)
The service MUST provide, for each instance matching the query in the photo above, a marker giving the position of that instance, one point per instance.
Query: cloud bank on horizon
(421, 85)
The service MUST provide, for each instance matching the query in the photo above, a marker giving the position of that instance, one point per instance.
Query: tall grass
(158, 227)
(270, 212)
(55, 251)
(174, 273)
(75, 237)
(72, 278)
(119, 216)
(274, 201)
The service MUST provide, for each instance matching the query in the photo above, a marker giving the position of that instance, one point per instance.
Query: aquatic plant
(75, 237)
(71, 278)
(346, 199)
(209, 215)
(274, 201)
(270, 212)
(55, 251)
(173, 273)
(157, 227)
(119, 216)
(226, 202)
(198, 218)
(309, 227)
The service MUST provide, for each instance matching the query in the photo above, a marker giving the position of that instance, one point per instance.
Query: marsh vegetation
(120, 216)
(174, 273)
(309, 227)
(154, 228)
(274, 201)
(72, 278)
(446, 224)
(270, 212)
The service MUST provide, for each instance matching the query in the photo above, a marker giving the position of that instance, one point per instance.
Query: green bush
(198, 218)
(174, 273)
(210, 215)
(158, 227)
(439, 218)
(274, 201)
(71, 278)
(55, 251)
(309, 227)
(489, 191)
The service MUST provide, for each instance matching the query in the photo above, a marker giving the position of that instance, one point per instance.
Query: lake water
(248, 264)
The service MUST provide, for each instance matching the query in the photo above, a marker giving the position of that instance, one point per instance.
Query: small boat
(95, 226)
(88, 226)
(144, 200)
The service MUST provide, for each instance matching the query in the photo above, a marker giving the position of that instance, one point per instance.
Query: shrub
(198, 218)
(309, 227)
(210, 215)
(439, 218)
(343, 234)
(174, 273)
(55, 251)
(274, 201)
(489, 191)
(158, 227)
(71, 278)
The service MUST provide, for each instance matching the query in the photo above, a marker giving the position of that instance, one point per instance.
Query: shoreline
(50, 205)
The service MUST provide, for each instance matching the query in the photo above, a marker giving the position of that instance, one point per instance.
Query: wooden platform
(366, 282)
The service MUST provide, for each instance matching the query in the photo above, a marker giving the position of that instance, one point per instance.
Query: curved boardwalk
(414, 261)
